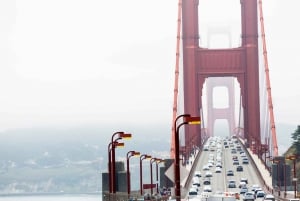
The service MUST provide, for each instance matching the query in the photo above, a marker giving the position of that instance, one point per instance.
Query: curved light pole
(187, 119)
(142, 157)
(157, 162)
(152, 160)
(121, 135)
(278, 182)
(129, 154)
(294, 159)
(116, 144)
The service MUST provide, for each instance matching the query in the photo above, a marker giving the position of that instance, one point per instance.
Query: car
(193, 191)
(230, 173)
(235, 162)
(243, 189)
(245, 161)
(197, 174)
(257, 189)
(206, 181)
(207, 188)
(269, 197)
(231, 184)
(242, 184)
(219, 164)
(239, 168)
(249, 196)
(205, 167)
(218, 170)
(208, 174)
(196, 181)
(260, 194)
(254, 187)
(244, 180)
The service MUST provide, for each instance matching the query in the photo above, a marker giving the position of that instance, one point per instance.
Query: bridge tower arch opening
(221, 128)
(221, 101)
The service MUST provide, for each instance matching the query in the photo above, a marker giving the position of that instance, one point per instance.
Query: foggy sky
(95, 62)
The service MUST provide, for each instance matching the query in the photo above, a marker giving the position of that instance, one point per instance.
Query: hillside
(62, 160)
(71, 160)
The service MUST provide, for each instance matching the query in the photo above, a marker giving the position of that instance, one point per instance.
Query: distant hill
(66, 159)
(71, 159)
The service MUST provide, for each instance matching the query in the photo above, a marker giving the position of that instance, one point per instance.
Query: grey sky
(77, 62)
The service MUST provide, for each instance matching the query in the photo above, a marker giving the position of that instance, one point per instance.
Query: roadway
(214, 151)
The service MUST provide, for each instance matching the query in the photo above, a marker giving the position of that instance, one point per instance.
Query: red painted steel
(175, 98)
(242, 63)
(273, 129)
(200, 63)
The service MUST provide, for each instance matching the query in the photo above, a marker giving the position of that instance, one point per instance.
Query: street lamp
(294, 159)
(157, 162)
(152, 160)
(120, 135)
(278, 184)
(116, 144)
(266, 152)
(142, 157)
(187, 119)
(129, 154)
(270, 158)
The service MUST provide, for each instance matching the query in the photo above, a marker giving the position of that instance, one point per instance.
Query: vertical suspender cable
(175, 98)
(270, 104)
(239, 124)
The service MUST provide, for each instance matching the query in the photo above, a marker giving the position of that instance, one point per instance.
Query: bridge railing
(263, 177)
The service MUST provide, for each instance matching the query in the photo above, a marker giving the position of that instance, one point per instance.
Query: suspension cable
(268, 83)
(175, 98)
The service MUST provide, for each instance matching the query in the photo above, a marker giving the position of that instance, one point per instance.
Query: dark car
(260, 194)
(230, 173)
(239, 168)
(245, 160)
(206, 181)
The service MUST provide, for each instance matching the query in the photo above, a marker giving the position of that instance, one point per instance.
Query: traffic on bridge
(224, 169)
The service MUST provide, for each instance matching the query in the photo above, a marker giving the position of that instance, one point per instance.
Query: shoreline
(50, 194)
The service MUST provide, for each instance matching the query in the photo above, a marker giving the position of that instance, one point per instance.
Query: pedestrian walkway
(262, 169)
(188, 166)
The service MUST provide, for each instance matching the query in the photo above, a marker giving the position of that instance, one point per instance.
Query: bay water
(81, 197)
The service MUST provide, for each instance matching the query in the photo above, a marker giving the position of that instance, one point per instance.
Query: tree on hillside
(296, 140)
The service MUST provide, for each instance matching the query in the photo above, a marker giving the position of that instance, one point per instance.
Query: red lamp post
(129, 154)
(157, 162)
(142, 157)
(152, 160)
(294, 159)
(187, 119)
(278, 182)
(116, 144)
(121, 135)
